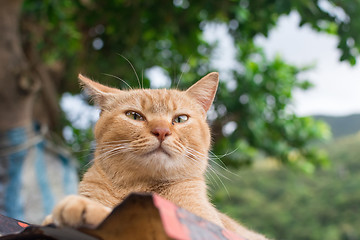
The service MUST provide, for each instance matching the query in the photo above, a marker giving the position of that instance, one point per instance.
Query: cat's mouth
(158, 150)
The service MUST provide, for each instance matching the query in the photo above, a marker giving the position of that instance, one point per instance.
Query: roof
(139, 216)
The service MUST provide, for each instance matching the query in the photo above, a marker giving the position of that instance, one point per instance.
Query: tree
(17, 94)
(73, 36)
(324, 203)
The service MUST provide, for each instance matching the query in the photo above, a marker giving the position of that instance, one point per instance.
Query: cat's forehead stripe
(159, 100)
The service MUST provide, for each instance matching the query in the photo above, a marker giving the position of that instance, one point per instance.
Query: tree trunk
(22, 76)
(17, 87)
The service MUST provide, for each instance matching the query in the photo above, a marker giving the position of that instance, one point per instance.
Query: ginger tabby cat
(148, 141)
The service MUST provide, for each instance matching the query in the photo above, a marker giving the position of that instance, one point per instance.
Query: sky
(337, 84)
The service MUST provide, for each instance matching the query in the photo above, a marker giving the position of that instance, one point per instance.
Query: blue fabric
(40, 168)
(34, 176)
(16, 136)
(13, 200)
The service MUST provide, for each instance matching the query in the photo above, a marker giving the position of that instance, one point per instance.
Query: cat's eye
(135, 116)
(180, 119)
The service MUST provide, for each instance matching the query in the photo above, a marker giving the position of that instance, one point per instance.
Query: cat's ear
(204, 90)
(99, 93)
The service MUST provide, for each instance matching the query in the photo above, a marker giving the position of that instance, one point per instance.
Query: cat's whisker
(211, 178)
(89, 154)
(178, 149)
(141, 140)
(142, 79)
(214, 161)
(108, 156)
(218, 158)
(86, 157)
(194, 159)
(222, 183)
(113, 146)
(173, 81)
(213, 170)
(111, 151)
(141, 145)
(197, 152)
(117, 141)
(223, 168)
(105, 152)
(104, 156)
(82, 151)
(109, 146)
(137, 77)
(195, 166)
(222, 156)
(111, 155)
(182, 72)
(219, 173)
(200, 153)
(88, 164)
(122, 80)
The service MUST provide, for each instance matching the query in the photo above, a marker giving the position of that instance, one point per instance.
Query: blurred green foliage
(287, 205)
(87, 36)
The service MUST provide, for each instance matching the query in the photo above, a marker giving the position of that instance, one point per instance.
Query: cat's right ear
(98, 93)
(204, 90)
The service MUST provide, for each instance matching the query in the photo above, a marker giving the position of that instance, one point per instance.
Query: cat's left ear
(204, 90)
(100, 94)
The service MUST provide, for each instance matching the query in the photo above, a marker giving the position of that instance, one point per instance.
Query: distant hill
(342, 126)
(285, 204)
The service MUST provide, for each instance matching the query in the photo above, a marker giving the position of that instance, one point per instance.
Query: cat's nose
(161, 133)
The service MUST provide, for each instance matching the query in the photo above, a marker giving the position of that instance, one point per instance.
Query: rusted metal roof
(139, 216)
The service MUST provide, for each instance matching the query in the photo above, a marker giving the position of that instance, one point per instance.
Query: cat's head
(153, 133)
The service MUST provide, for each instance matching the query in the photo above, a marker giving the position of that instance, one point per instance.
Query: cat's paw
(48, 220)
(77, 211)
